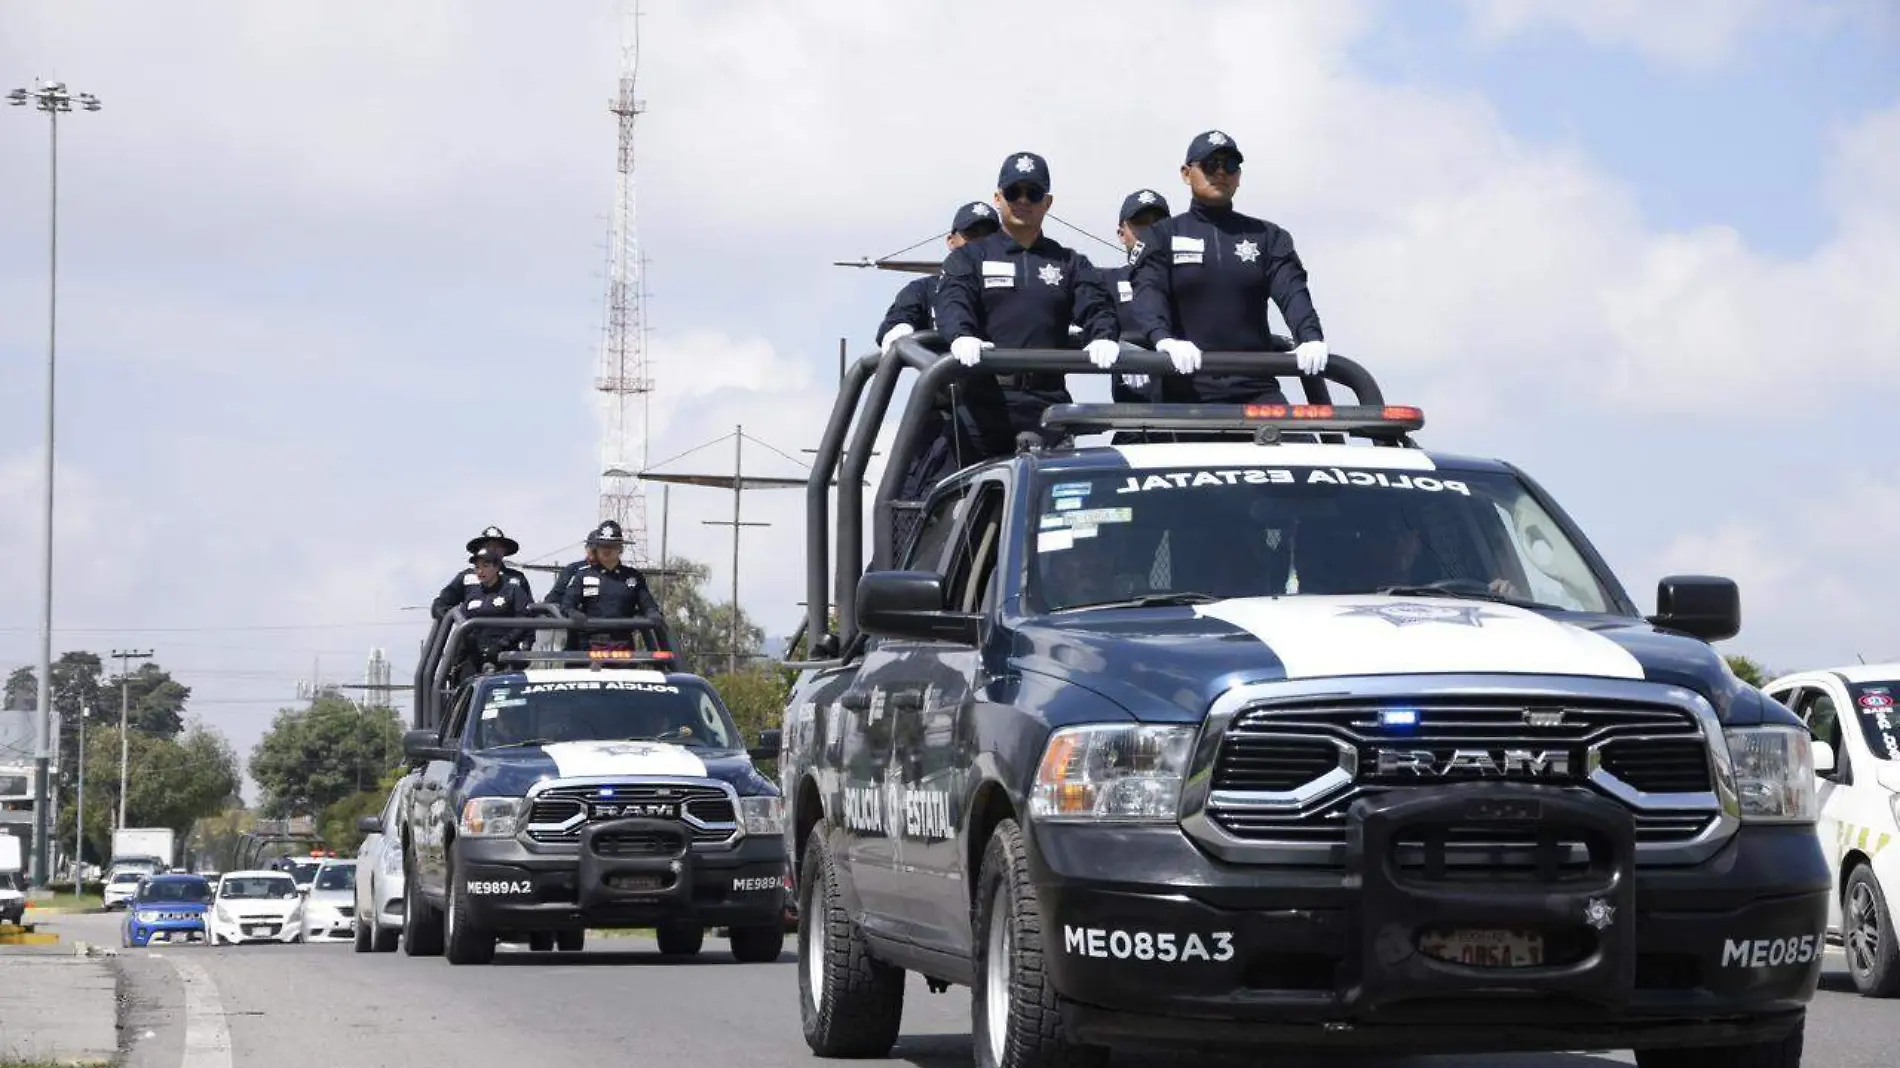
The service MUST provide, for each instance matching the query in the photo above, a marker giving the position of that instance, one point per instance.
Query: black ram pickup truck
(1303, 739)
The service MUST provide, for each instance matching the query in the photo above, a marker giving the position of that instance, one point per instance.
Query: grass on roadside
(69, 902)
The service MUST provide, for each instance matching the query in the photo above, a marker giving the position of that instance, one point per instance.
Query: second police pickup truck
(1305, 738)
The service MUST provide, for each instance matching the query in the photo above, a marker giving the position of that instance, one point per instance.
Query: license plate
(656, 810)
(639, 881)
(1485, 948)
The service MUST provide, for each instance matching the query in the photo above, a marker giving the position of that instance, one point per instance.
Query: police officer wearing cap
(1019, 289)
(1203, 278)
(493, 540)
(910, 312)
(609, 589)
(492, 595)
(1141, 209)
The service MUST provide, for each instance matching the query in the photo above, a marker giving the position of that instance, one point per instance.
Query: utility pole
(124, 657)
(666, 504)
(79, 818)
(738, 494)
(52, 98)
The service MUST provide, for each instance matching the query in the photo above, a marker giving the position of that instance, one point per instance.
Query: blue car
(167, 909)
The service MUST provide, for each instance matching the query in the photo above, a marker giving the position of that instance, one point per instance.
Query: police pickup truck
(1300, 738)
(602, 792)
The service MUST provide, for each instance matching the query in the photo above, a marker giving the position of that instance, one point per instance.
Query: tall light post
(79, 818)
(53, 99)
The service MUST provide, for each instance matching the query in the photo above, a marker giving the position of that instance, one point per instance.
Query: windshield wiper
(1151, 600)
(1460, 594)
(522, 745)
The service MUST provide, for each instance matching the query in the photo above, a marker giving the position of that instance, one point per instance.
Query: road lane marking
(207, 1038)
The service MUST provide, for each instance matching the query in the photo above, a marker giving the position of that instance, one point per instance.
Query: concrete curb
(60, 1008)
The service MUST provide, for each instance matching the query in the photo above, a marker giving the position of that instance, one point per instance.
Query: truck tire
(570, 941)
(383, 939)
(1014, 1016)
(850, 1002)
(680, 939)
(1783, 1053)
(421, 925)
(757, 945)
(541, 941)
(364, 932)
(464, 941)
(1867, 935)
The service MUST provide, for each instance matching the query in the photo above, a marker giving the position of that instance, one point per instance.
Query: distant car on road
(167, 909)
(379, 886)
(122, 887)
(256, 906)
(330, 906)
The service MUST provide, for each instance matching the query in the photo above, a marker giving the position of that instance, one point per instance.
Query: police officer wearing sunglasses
(1202, 280)
(1019, 289)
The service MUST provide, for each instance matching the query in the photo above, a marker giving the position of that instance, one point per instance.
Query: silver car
(379, 891)
(329, 911)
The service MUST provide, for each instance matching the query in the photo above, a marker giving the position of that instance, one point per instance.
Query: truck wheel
(1873, 951)
(541, 941)
(421, 925)
(464, 942)
(1784, 1053)
(383, 939)
(757, 945)
(849, 1001)
(570, 941)
(1013, 1010)
(680, 939)
(363, 933)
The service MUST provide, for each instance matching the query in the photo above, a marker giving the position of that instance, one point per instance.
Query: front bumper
(623, 873)
(329, 928)
(1153, 941)
(245, 930)
(164, 932)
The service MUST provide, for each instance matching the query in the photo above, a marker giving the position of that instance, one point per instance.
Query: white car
(379, 874)
(256, 906)
(329, 909)
(1854, 715)
(121, 887)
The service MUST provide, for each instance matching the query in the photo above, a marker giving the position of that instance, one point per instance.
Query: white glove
(1135, 381)
(1185, 354)
(968, 350)
(1103, 353)
(891, 336)
(1312, 357)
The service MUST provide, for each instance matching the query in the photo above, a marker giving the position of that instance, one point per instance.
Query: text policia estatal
(898, 811)
(1317, 476)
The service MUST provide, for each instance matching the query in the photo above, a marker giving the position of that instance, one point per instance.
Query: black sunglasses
(1025, 191)
(1212, 164)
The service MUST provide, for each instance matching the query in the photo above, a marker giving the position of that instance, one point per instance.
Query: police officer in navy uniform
(910, 312)
(609, 589)
(1141, 209)
(1019, 289)
(492, 595)
(1202, 280)
(493, 540)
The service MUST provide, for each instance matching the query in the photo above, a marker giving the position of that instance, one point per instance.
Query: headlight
(391, 862)
(1893, 802)
(223, 916)
(493, 817)
(1774, 774)
(150, 917)
(1121, 772)
(762, 815)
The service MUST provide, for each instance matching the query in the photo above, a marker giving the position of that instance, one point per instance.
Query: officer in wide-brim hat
(491, 540)
(609, 589)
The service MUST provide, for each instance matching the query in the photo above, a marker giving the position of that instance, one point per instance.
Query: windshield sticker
(1050, 541)
(1068, 504)
(1070, 489)
(601, 684)
(1053, 521)
(1880, 721)
(1089, 518)
(1082, 532)
(1874, 699)
(1318, 476)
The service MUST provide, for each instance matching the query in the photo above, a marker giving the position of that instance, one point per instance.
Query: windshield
(1875, 707)
(597, 710)
(176, 890)
(302, 870)
(127, 877)
(258, 886)
(1110, 537)
(336, 877)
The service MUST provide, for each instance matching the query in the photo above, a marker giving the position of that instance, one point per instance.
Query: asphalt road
(320, 1006)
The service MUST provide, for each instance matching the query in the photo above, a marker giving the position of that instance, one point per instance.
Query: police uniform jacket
(1020, 297)
(505, 598)
(613, 593)
(912, 306)
(561, 582)
(458, 589)
(1119, 284)
(1206, 276)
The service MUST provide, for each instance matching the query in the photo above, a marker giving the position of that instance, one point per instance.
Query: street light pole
(79, 818)
(52, 98)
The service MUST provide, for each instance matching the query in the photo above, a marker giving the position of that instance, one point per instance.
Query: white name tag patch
(1187, 249)
(1126, 290)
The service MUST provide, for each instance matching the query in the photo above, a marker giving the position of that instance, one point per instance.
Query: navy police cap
(975, 213)
(1143, 200)
(1024, 167)
(1211, 142)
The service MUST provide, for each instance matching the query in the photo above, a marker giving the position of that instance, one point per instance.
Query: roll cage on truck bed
(923, 836)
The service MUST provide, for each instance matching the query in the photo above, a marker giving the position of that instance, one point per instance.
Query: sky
(331, 277)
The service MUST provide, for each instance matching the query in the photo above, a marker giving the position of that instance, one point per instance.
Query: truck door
(934, 752)
(1821, 711)
(429, 814)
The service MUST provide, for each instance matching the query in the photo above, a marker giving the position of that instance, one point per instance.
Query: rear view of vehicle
(166, 910)
(122, 886)
(329, 908)
(256, 906)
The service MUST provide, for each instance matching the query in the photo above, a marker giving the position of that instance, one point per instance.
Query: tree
(337, 824)
(702, 626)
(1750, 671)
(171, 782)
(156, 701)
(314, 757)
(22, 690)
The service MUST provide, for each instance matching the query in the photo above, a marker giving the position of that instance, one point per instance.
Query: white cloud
(1697, 35)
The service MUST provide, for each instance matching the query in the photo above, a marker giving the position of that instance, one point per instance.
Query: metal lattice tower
(622, 382)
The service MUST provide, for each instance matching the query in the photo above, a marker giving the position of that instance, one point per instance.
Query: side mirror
(910, 604)
(423, 746)
(370, 825)
(1700, 606)
(1823, 758)
(771, 741)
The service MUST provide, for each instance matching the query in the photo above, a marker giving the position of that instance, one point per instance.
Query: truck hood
(509, 772)
(1168, 664)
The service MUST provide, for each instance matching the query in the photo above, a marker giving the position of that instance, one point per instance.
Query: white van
(1854, 716)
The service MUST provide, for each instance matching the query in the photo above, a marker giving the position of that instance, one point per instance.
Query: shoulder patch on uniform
(512, 581)
(1125, 289)
(469, 579)
(476, 603)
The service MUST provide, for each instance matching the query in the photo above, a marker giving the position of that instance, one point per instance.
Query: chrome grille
(558, 814)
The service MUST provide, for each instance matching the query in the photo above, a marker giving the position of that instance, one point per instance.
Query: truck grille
(558, 814)
(1652, 749)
